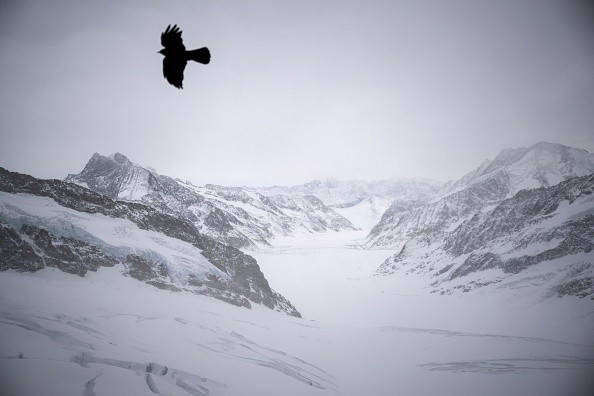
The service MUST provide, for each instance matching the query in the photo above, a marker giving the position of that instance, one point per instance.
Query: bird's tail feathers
(201, 55)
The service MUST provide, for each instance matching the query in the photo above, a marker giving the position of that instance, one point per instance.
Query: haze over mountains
(342, 194)
(363, 203)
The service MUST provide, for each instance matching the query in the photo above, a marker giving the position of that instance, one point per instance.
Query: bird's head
(162, 52)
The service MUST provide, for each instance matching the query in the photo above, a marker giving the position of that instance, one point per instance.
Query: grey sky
(296, 90)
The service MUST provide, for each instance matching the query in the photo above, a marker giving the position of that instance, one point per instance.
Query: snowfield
(361, 334)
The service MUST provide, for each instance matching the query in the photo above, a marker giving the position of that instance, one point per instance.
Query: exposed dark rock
(34, 248)
(17, 254)
(577, 287)
(144, 270)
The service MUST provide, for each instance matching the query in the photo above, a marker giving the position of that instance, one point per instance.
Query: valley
(105, 334)
(121, 281)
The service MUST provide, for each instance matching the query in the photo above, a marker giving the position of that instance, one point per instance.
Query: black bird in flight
(176, 55)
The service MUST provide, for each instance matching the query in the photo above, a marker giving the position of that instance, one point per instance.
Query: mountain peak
(117, 158)
(543, 145)
(107, 175)
(120, 159)
(543, 164)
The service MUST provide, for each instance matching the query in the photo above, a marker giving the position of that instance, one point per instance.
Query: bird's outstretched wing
(171, 39)
(173, 71)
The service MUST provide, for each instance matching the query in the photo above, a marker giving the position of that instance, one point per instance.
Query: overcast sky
(296, 90)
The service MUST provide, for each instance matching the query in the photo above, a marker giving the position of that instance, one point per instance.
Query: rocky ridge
(232, 215)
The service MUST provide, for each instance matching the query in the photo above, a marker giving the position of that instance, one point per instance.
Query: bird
(176, 56)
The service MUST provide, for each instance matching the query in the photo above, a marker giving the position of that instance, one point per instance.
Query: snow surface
(361, 334)
(367, 213)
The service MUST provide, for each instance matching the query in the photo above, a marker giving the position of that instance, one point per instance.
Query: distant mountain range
(362, 203)
(343, 194)
(527, 216)
(232, 215)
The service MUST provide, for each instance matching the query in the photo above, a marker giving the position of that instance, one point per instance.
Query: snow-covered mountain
(541, 165)
(51, 223)
(276, 214)
(362, 203)
(102, 296)
(231, 215)
(528, 211)
(342, 194)
(367, 213)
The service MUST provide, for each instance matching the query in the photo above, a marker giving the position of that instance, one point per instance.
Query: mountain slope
(231, 215)
(50, 223)
(541, 165)
(486, 231)
(367, 213)
(362, 203)
(545, 235)
(277, 214)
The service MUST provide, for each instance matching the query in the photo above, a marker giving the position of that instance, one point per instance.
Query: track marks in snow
(155, 376)
(514, 365)
(83, 328)
(156, 373)
(89, 389)
(60, 337)
(151, 384)
(252, 324)
(198, 391)
(503, 365)
(156, 369)
(139, 318)
(450, 333)
(242, 348)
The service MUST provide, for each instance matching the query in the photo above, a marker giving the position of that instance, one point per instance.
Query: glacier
(126, 281)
